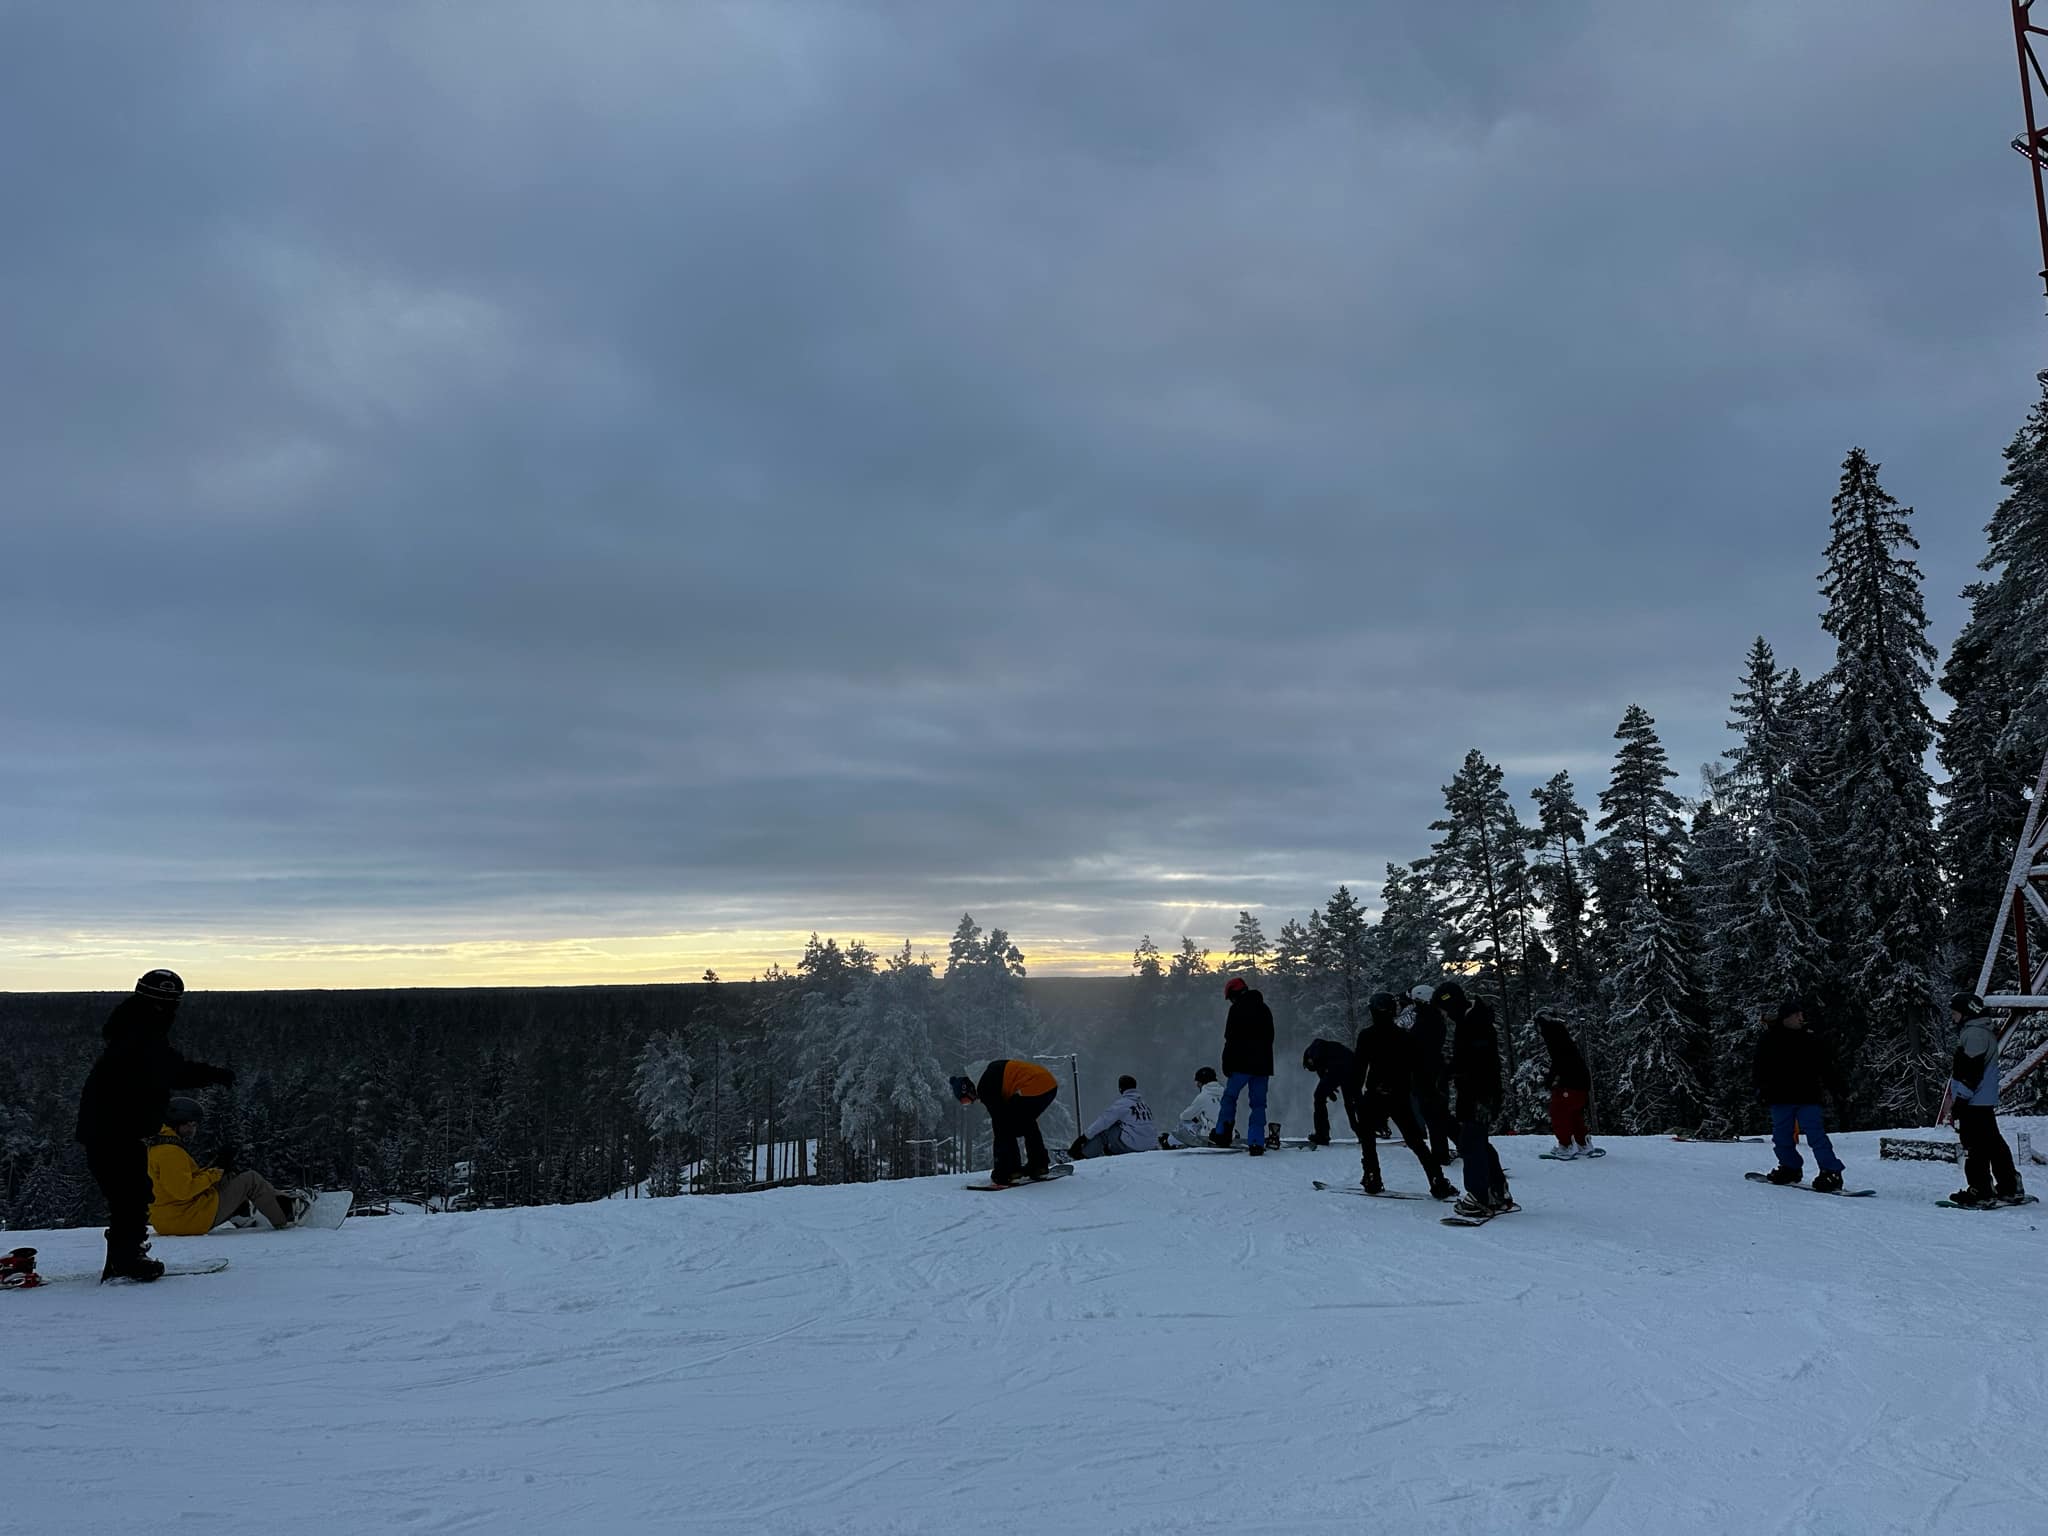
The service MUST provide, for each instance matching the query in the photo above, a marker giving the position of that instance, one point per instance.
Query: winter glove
(1079, 1143)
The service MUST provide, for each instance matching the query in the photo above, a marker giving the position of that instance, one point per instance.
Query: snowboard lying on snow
(1847, 1194)
(1576, 1157)
(32, 1280)
(1359, 1189)
(1056, 1171)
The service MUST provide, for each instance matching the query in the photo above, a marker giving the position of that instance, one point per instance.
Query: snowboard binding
(18, 1270)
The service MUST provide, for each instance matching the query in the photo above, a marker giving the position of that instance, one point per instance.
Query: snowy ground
(1172, 1343)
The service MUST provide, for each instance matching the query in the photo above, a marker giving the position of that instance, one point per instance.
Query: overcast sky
(590, 491)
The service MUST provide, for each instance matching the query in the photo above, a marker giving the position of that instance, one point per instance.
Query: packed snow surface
(1169, 1343)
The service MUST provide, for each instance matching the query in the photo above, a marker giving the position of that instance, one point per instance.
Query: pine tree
(1647, 1028)
(1884, 887)
(1340, 959)
(1249, 948)
(1560, 882)
(1643, 842)
(1717, 904)
(1147, 964)
(1190, 963)
(1408, 939)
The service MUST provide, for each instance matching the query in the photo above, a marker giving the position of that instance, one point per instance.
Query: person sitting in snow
(1385, 1070)
(1571, 1087)
(1793, 1071)
(191, 1201)
(1126, 1126)
(1015, 1094)
(1973, 1109)
(1199, 1118)
(1247, 1064)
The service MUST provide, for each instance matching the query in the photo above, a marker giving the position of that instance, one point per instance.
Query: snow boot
(1373, 1184)
(1828, 1183)
(1477, 1210)
(1220, 1137)
(1973, 1197)
(2016, 1196)
(1564, 1153)
(1444, 1189)
(130, 1261)
(1256, 1149)
(1783, 1175)
(18, 1269)
(1502, 1202)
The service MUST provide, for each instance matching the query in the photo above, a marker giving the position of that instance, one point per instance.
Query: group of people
(1397, 1074)
(137, 1137)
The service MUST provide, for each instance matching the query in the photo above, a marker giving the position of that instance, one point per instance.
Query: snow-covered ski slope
(1162, 1343)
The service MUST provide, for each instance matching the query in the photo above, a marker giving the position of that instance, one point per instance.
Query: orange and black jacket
(1004, 1080)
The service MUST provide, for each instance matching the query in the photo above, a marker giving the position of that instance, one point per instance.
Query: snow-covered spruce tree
(1991, 744)
(1249, 948)
(1715, 900)
(1648, 1031)
(826, 977)
(1560, 840)
(665, 1092)
(891, 1085)
(1642, 822)
(1408, 938)
(1479, 868)
(1881, 898)
(1341, 958)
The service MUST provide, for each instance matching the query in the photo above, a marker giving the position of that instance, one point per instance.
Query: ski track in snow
(1182, 1344)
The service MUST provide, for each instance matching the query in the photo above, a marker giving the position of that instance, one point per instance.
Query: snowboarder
(1336, 1073)
(191, 1201)
(1571, 1086)
(1792, 1074)
(1199, 1118)
(1429, 1088)
(1247, 1063)
(1475, 1074)
(1125, 1126)
(1987, 1161)
(125, 1099)
(1384, 1083)
(1015, 1094)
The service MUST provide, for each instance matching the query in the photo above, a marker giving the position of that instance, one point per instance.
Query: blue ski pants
(1483, 1176)
(1806, 1118)
(1226, 1117)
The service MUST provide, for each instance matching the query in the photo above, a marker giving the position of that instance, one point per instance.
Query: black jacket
(1248, 1036)
(1335, 1071)
(1568, 1068)
(129, 1088)
(1793, 1066)
(1384, 1057)
(1475, 1064)
(1426, 1050)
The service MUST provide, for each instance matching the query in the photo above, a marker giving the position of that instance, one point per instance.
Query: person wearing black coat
(1475, 1074)
(1571, 1087)
(1385, 1076)
(1428, 1085)
(125, 1098)
(1336, 1074)
(1794, 1070)
(1247, 1064)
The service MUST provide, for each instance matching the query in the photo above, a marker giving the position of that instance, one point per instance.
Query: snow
(1164, 1342)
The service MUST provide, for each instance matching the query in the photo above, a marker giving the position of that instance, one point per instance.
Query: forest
(1848, 848)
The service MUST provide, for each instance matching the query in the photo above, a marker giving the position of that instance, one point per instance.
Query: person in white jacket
(1126, 1126)
(1199, 1118)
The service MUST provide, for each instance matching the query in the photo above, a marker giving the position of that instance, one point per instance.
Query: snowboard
(1725, 1141)
(1847, 1194)
(1552, 1157)
(2003, 1205)
(1057, 1171)
(330, 1207)
(198, 1267)
(1220, 1151)
(1359, 1189)
(1477, 1221)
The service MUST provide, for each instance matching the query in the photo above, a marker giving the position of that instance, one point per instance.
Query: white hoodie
(1199, 1118)
(1133, 1116)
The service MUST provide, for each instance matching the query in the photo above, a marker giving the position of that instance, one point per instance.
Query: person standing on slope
(124, 1101)
(1428, 1083)
(190, 1201)
(1199, 1118)
(1247, 1064)
(1793, 1070)
(1125, 1126)
(1475, 1074)
(1015, 1094)
(1336, 1074)
(1571, 1087)
(1973, 1109)
(1384, 1084)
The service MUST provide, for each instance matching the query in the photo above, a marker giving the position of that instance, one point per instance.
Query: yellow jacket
(187, 1196)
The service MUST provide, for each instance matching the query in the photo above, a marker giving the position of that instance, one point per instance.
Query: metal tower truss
(2034, 142)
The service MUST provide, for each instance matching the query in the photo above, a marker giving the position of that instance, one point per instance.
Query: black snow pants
(1018, 1117)
(1352, 1115)
(121, 1169)
(1987, 1160)
(1432, 1111)
(1402, 1115)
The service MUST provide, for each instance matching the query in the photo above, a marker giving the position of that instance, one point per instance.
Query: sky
(591, 493)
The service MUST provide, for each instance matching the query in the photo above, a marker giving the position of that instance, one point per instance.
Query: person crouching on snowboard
(1385, 1083)
(1199, 1118)
(1126, 1126)
(190, 1201)
(1973, 1109)
(1571, 1086)
(1336, 1074)
(1475, 1074)
(125, 1099)
(1247, 1063)
(1015, 1094)
(1792, 1072)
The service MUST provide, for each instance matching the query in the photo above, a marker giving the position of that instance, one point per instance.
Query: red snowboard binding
(18, 1270)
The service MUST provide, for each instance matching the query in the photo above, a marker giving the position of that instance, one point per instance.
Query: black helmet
(161, 986)
(1450, 997)
(1968, 1004)
(1790, 1006)
(183, 1112)
(963, 1090)
(1381, 1005)
(1204, 1075)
